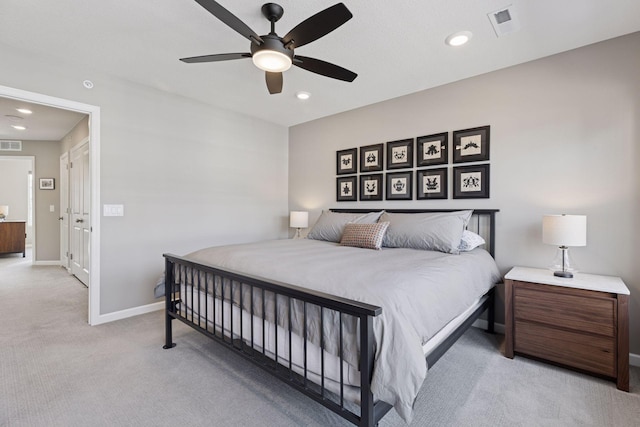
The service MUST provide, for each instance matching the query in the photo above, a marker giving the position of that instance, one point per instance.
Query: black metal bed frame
(226, 282)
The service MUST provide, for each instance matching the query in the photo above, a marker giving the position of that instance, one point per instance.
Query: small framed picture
(471, 145)
(47, 183)
(471, 182)
(432, 149)
(347, 161)
(399, 186)
(400, 154)
(431, 184)
(371, 187)
(371, 158)
(347, 189)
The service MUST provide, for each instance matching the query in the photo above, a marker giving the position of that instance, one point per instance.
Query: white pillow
(432, 231)
(330, 225)
(470, 241)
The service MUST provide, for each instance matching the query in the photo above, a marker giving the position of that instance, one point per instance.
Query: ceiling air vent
(504, 21)
(6, 145)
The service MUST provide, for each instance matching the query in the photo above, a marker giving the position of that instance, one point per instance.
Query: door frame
(93, 112)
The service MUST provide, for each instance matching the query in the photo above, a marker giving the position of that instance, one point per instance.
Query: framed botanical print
(399, 186)
(432, 149)
(471, 145)
(431, 184)
(371, 158)
(371, 187)
(347, 161)
(400, 154)
(471, 182)
(347, 189)
(47, 183)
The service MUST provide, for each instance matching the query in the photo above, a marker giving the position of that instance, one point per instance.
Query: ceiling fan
(275, 54)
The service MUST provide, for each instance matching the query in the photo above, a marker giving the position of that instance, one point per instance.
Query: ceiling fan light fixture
(271, 61)
(459, 38)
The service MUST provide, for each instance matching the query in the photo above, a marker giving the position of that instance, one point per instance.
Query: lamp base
(565, 274)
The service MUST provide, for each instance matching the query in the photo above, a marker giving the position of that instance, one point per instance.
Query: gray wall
(75, 135)
(47, 165)
(564, 139)
(189, 175)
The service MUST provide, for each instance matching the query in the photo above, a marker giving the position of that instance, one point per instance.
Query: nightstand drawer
(591, 353)
(579, 310)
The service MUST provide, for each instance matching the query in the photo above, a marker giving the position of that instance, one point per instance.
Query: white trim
(94, 157)
(634, 359)
(129, 312)
(57, 263)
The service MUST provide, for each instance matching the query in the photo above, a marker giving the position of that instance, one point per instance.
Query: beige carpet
(57, 371)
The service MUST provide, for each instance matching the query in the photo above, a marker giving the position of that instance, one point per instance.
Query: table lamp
(298, 220)
(4, 212)
(564, 231)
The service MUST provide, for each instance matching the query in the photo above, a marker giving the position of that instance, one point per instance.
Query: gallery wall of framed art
(417, 168)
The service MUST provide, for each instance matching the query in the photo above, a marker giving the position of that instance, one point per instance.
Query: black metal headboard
(483, 221)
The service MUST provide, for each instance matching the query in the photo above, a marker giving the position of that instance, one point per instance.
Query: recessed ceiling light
(88, 84)
(303, 95)
(24, 110)
(18, 127)
(459, 38)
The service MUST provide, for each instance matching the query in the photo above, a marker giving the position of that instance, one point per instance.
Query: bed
(347, 326)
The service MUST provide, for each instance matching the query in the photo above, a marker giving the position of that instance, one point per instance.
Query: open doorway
(16, 206)
(93, 195)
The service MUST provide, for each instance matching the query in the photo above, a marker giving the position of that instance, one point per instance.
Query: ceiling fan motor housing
(274, 43)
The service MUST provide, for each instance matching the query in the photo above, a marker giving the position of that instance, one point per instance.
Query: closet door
(80, 194)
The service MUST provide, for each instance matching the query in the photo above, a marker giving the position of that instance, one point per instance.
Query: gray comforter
(419, 292)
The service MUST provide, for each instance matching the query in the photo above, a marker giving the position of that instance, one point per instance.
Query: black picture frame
(399, 186)
(432, 149)
(400, 154)
(432, 184)
(471, 145)
(471, 182)
(47, 184)
(347, 161)
(347, 189)
(371, 158)
(371, 187)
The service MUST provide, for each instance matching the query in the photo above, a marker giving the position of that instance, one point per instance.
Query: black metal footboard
(219, 303)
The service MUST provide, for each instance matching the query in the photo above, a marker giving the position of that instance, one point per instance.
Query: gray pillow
(434, 231)
(330, 225)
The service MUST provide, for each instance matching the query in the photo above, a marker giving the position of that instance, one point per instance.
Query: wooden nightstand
(582, 323)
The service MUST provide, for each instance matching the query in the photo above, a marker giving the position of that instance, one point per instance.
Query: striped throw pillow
(367, 236)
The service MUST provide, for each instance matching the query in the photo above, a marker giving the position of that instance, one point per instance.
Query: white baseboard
(634, 359)
(54, 262)
(129, 312)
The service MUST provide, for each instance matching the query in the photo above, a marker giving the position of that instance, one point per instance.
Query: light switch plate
(113, 210)
(52, 208)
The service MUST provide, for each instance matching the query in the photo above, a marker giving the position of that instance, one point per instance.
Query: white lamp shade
(299, 219)
(564, 230)
(4, 209)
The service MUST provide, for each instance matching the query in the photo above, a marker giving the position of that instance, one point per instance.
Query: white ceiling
(395, 47)
(44, 124)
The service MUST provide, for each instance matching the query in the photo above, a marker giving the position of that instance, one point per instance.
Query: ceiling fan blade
(319, 25)
(274, 82)
(230, 19)
(324, 68)
(215, 58)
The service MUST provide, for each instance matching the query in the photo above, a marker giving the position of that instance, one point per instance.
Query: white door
(64, 211)
(80, 195)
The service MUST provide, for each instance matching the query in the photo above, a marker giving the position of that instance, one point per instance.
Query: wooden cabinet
(582, 322)
(12, 237)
